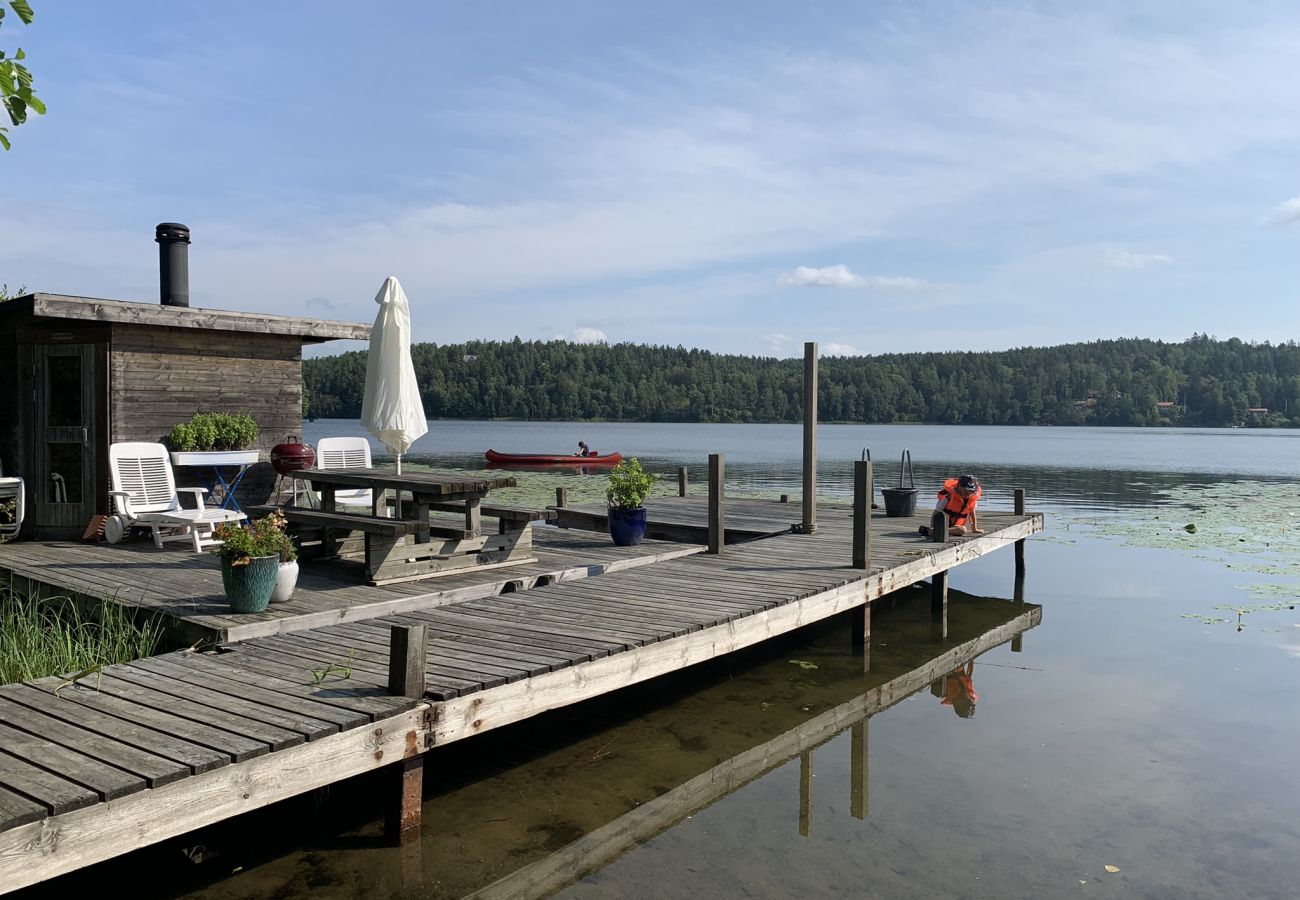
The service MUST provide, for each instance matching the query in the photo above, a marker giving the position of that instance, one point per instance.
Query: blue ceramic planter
(627, 526)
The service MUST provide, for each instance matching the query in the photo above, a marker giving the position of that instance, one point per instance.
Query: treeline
(1201, 381)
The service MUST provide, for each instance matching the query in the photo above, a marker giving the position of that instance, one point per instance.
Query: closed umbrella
(391, 409)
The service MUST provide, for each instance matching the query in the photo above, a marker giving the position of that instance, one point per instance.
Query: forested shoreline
(1198, 382)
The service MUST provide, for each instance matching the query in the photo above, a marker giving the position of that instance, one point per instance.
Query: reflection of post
(681, 481)
(1018, 598)
(805, 793)
(411, 862)
(859, 788)
(809, 523)
(717, 513)
(1020, 544)
(939, 603)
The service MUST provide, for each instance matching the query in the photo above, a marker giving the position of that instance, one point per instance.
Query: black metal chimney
(174, 263)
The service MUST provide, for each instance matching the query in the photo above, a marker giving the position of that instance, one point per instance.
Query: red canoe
(552, 459)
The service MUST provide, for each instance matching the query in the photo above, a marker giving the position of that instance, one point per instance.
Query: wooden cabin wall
(160, 376)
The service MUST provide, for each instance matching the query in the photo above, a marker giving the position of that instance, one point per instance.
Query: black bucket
(900, 502)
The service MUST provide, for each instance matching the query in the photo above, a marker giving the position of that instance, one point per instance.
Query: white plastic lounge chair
(144, 493)
(345, 453)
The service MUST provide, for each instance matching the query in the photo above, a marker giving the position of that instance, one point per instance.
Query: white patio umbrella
(391, 409)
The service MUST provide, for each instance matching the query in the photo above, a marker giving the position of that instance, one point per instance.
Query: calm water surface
(1122, 734)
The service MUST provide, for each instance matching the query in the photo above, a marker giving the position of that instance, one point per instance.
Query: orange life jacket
(957, 505)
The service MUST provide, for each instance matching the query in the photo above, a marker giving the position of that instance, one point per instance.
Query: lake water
(1151, 723)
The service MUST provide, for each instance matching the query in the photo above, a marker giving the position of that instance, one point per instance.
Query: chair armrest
(196, 491)
(126, 502)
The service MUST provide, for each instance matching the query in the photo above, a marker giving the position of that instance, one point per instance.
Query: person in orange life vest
(957, 500)
(958, 691)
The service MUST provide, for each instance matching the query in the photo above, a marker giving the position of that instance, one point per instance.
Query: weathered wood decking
(158, 747)
(186, 587)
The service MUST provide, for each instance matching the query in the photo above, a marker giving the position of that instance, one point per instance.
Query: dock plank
(58, 794)
(108, 782)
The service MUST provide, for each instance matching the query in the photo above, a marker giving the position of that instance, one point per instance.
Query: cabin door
(63, 490)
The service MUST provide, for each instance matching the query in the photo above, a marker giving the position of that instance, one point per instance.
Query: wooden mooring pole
(407, 649)
(717, 501)
(681, 481)
(1020, 544)
(863, 491)
(939, 603)
(809, 523)
(561, 497)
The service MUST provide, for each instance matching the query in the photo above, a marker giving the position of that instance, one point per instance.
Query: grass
(51, 636)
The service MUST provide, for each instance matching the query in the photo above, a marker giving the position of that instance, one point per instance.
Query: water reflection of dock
(144, 751)
(601, 846)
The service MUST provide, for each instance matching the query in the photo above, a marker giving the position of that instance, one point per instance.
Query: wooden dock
(144, 751)
(184, 588)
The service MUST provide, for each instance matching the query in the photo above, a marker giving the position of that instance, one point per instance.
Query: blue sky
(738, 176)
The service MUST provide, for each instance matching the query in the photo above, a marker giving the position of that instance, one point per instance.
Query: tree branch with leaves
(16, 95)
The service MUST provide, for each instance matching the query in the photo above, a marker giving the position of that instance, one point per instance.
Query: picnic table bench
(407, 545)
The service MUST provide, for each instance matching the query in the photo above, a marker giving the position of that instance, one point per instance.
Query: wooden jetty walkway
(185, 589)
(144, 751)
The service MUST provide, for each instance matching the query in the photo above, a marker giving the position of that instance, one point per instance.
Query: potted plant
(214, 439)
(629, 485)
(250, 561)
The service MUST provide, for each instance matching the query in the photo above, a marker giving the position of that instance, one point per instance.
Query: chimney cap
(172, 231)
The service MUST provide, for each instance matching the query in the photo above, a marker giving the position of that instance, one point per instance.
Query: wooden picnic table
(406, 545)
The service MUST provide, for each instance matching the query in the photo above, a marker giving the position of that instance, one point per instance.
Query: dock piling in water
(407, 651)
(681, 481)
(1020, 545)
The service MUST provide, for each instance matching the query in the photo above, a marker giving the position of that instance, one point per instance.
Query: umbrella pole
(399, 464)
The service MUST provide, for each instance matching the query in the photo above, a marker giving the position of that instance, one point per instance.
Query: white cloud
(834, 349)
(1286, 212)
(901, 283)
(828, 276)
(842, 277)
(777, 342)
(1120, 258)
(586, 335)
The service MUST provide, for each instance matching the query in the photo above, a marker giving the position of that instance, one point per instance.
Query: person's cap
(967, 483)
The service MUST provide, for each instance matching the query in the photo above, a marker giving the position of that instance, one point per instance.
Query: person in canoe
(584, 450)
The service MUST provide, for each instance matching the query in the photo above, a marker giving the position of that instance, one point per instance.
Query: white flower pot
(285, 582)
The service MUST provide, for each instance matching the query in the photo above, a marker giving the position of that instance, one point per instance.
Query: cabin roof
(93, 309)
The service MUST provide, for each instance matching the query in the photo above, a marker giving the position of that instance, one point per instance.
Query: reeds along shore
(41, 636)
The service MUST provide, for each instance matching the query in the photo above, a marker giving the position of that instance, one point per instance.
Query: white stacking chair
(345, 453)
(144, 493)
(12, 489)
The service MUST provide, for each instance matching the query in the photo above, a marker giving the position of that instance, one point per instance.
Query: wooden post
(785, 498)
(939, 603)
(561, 497)
(809, 523)
(407, 649)
(681, 481)
(860, 624)
(1020, 544)
(863, 491)
(805, 793)
(939, 526)
(1018, 599)
(717, 512)
(859, 789)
